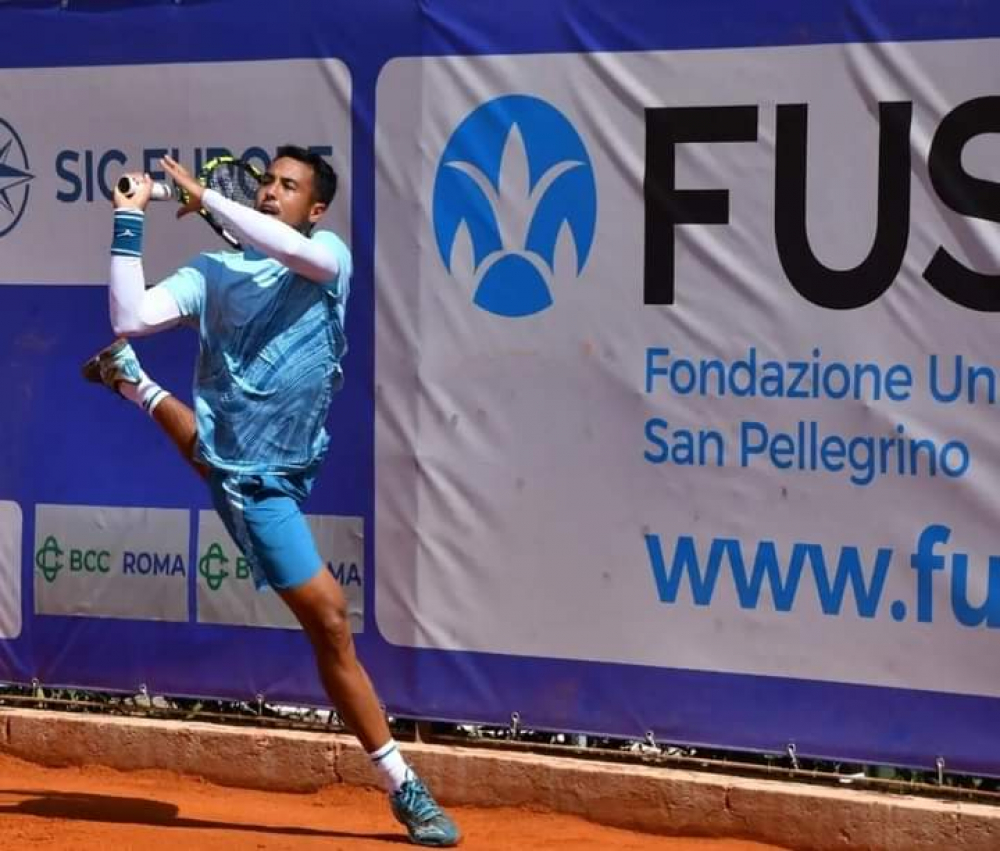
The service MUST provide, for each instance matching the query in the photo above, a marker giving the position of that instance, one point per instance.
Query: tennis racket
(236, 179)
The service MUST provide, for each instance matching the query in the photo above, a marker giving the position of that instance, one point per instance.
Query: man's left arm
(310, 258)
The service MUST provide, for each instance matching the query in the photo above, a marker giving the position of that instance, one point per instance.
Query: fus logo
(14, 178)
(515, 204)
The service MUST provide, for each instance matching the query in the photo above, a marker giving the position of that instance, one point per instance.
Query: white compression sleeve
(274, 238)
(134, 310)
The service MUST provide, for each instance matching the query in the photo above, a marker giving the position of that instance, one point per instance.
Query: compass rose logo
(14, 178)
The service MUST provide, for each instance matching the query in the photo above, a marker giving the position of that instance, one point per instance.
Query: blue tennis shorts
(263, 515)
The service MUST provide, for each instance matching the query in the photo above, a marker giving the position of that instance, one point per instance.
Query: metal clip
(649, 745)
(790, 749)
(145, 701)
(515, 725)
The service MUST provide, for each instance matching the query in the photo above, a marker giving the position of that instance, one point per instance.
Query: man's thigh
(268, 526)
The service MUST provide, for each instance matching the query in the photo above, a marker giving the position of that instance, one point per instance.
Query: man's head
(297, 187)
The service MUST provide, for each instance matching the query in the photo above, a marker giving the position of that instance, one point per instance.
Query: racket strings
(234, 182)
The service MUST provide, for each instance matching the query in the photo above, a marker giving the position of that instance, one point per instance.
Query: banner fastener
(651, 742)
(791, 750)
(515, 725)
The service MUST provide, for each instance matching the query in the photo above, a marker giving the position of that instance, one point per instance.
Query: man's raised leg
(118, 369)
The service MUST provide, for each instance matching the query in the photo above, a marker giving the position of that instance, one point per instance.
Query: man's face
(286, 192)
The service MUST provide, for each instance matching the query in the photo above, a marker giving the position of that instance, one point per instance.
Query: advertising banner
(709, 369)
(669, 393)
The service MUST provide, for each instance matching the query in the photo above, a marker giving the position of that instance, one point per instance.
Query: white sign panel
(11, 523)
(66, 137)
(108, 562)
(674, 368)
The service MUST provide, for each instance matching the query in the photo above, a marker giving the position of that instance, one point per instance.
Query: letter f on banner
(925, 563)
(666, 205)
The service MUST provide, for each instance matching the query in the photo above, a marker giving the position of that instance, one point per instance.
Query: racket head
(237, 180)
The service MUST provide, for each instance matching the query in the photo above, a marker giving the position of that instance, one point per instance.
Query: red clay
(93, 807)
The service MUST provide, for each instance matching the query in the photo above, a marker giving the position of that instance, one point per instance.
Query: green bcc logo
(212, 566)
(48, 559)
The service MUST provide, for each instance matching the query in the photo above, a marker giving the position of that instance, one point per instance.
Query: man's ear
(316, 212)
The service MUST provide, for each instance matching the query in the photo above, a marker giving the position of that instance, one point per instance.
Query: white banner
(65, 138)
(110, 562)
(11, 523)
(749, 479)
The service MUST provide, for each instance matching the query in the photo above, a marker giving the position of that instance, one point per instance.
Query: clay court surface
(96, 807)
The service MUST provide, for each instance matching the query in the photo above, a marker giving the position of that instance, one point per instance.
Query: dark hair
(324, 177)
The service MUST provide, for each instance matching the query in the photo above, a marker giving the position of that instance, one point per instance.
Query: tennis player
(271, 326)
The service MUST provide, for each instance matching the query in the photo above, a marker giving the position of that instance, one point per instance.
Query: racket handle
(128, 185)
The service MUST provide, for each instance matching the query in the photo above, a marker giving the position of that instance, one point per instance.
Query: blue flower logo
(515, 204)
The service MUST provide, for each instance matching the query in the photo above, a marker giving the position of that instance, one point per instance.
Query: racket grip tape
(128, 186)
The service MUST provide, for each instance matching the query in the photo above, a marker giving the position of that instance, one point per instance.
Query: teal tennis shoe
(113, 364)
(428, 825)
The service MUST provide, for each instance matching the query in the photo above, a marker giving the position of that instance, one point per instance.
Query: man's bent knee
(321, 608)
(332, 632)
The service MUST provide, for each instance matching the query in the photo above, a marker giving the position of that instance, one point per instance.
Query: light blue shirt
(271, 346)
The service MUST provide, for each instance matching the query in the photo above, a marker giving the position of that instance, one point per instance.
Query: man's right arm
(134, 310)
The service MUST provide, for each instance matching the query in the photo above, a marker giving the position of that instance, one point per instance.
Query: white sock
(147, 394)
(392, 768)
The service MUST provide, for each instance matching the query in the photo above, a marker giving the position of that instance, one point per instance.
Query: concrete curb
(656, 800)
